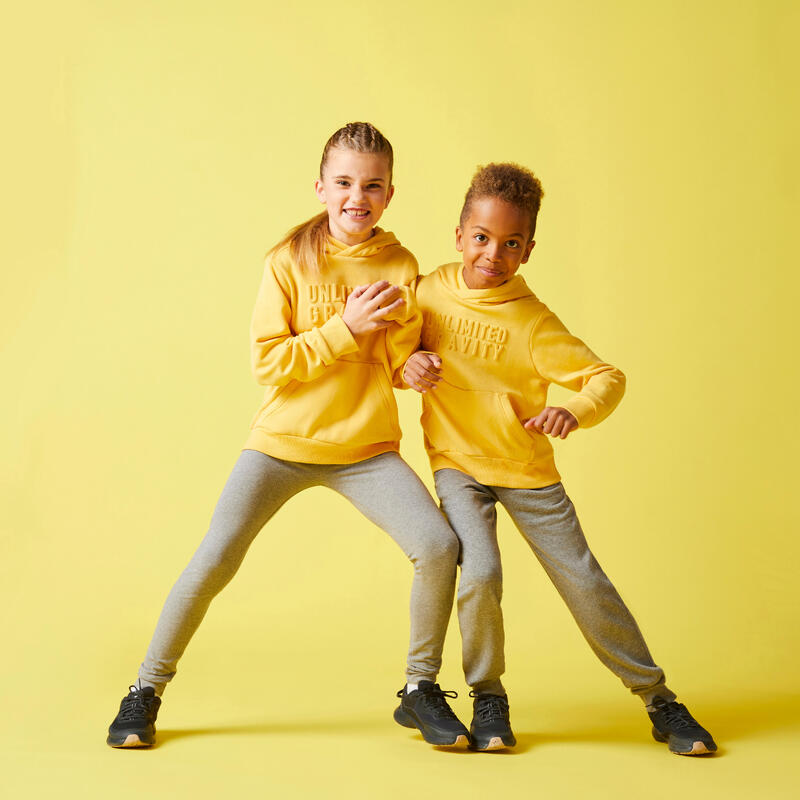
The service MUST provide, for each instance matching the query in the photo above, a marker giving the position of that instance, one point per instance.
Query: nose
(493, 253)
(356, 195)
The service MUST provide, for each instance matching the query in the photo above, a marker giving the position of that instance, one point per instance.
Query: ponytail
(306, 243)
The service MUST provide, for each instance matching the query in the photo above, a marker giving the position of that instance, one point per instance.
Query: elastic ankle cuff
(418, 678)
(651, 694)
(141, 683)
(489, 687)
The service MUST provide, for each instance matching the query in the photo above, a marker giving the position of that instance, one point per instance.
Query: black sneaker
(672, 723)
(134, 726)
(491, 728)
(426, 709)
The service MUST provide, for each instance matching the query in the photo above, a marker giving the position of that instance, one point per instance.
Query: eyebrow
(369, 180)
(481, 228)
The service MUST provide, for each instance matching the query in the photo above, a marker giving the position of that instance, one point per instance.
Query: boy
(492, 350)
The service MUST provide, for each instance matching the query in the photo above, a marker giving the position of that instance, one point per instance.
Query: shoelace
(490, 707)
(434, 700)
(677, 716)
(135, 705)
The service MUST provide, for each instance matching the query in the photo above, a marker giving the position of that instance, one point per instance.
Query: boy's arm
(277, 355)
(562, 358)
(422, 371)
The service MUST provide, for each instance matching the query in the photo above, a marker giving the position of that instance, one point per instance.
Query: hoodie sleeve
(402, 338)
(277, 355)
(562, 358)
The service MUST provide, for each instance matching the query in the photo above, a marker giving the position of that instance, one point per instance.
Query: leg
(389, 493)
(470, 509)
(547, 520)
(258, 486)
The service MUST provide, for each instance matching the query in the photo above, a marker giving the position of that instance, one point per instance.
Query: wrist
(351, 324)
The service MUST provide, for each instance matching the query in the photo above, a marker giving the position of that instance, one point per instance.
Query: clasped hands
(368, 306)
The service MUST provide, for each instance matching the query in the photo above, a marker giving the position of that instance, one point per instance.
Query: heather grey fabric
(384, 488)
(547, 520)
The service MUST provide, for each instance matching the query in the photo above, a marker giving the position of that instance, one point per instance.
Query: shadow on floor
(348, 727)
(304, 727)
(740, 719)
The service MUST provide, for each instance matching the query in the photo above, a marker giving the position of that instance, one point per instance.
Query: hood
(451, 275)
(377, 242)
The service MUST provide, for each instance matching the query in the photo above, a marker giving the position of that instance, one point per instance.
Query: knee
(480, 576)
(207, 573)
(592, 571)
(437, 549)
(589, 576)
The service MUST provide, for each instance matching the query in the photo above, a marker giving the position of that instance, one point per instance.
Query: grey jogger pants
(384, 488)
(547, 520)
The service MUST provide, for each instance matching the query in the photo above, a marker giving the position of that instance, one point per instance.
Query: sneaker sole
(131, 740)
(697, 749)
(495, 743)
(407, 721)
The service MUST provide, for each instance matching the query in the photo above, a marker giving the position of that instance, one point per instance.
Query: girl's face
(356, 188)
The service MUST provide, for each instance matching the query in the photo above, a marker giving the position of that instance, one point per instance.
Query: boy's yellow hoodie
(329, 398)
(500, 350)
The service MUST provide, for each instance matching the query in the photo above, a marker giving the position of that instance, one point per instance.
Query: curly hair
(509, 182)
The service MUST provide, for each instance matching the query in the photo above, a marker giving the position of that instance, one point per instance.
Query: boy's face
(494, 241)
(356, 188)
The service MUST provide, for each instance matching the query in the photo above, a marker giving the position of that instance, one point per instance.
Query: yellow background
(154, 150)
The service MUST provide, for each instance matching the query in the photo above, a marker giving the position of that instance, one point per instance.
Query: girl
(328, 354)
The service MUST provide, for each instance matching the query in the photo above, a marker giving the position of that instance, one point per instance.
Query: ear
(319, 189)
(389, 196)
(528, 248)
(459, 242)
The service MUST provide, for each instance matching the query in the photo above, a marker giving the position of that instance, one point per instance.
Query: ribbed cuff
(582, 408)
(338, 337)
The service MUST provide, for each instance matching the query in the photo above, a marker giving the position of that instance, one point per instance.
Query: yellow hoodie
(500, 350)
(329, 398)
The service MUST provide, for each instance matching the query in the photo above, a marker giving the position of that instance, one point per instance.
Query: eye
(342, 182)
(480, 237)
(373, 186)
(513, 243)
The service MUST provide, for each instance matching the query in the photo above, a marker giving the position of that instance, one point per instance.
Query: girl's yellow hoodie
(500, 350)
(329, 398)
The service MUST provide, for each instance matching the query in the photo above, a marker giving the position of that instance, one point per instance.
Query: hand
(367, 306)
(421, 371)
(553, 421)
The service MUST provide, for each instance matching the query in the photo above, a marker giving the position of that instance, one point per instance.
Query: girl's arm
(402, 339)
(278, 356)
(562, 358)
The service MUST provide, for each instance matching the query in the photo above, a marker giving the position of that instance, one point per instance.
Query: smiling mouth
(356, 213)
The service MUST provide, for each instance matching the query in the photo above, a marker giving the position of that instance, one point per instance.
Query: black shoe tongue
(426, 685)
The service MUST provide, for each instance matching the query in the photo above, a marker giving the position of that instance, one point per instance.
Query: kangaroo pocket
(351, 403)
(475, 423)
